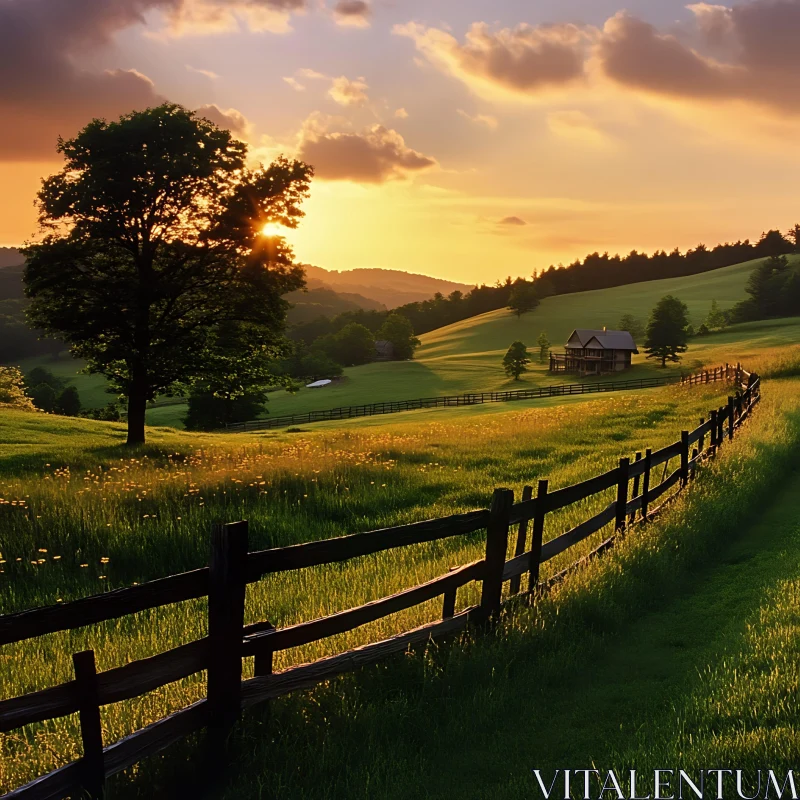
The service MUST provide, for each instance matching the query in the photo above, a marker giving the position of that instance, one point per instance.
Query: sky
(463, 139)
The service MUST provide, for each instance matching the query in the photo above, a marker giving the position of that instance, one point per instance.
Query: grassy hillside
(82, 514)
(466, 356)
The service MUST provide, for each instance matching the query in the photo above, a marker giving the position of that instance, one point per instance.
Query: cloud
(763, 65)
(43, 93)
(375, 155)
(295, 84)
(229, 119)
(206, 73)
(206, 17)
(401, 113)
(353, 13)
(349, 93)
(715, 23)
(480, 119)
(512, 221)
(576, 125)
(524, 60)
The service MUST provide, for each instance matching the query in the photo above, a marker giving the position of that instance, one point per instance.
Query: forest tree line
(595, 271)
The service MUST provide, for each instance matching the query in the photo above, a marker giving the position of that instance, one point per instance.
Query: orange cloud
(375, 155)
(353, 13)
(349, 93)
(524, 60)
(763, 67)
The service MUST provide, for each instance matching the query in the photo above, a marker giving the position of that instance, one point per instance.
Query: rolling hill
(390, 287)
(466, 356)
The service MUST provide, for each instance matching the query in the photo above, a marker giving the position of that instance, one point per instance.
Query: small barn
(384, 351)
(592, 352)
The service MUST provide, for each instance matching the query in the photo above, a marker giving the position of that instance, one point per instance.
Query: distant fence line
(472, 399)
(507, 526)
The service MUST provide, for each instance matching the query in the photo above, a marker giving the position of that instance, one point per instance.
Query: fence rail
(232, 567)
(479, 398)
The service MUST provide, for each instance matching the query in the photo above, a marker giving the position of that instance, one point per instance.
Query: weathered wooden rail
(477, 398)
(232, 567)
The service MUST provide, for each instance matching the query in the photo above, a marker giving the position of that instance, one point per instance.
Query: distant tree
(397, 330)
(39, 375)
(703, 330)
(316, 365)
(544, 346)
(208, 412)
(516, 360)
(690, 332)
(773, 243)
(632, 325)
(523, 298)
(12, 390)
(44, 397)
(716, 319)
(666, 331)
(68, 402)
(108, 413)
(794, 237)
(153, 239)
(352, 346)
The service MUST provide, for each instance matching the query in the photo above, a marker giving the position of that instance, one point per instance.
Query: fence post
(684, 458)
(731, 420)
(702, 442)
(496, 547)
(449, 600)
(648, 458)
(695, 454)
(537, 534)
(522, 536)
(622, 492)
(635, 492)
(262, 663)
(714, 428)
(92, 765)
(225, 622)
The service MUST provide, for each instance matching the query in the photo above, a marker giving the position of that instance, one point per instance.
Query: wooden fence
(479, 398)
(232, 567)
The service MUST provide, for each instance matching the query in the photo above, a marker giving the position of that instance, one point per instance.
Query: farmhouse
(590, 352)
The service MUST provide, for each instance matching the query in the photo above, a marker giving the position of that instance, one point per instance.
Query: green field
(466, 356)
(649, 654)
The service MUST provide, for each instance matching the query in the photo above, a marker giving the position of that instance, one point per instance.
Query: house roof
(608, 340)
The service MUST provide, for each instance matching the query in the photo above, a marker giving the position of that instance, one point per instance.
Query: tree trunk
(137, 404)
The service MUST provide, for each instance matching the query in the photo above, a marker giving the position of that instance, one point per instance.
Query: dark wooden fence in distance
(232, 567)
(479, 398)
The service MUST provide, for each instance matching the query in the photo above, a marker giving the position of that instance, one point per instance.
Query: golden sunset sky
(462, 139)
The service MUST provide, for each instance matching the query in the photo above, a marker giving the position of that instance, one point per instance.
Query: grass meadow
(467, 356)
(79, 514)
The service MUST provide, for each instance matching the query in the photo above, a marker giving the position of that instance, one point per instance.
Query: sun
(273, 229)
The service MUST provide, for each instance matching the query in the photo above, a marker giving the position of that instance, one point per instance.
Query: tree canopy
(774, 289)
(632, 325)
(666, 331)
(12, 390)
(516, 360)
(153, 243)
(398, 330)
(523, 298)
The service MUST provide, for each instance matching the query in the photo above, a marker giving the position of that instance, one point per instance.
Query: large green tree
(516, 360)
(398, 330)
(152, 240)
(666, 332)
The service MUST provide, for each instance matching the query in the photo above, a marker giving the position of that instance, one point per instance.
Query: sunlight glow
(273, 229)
